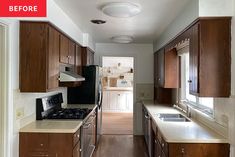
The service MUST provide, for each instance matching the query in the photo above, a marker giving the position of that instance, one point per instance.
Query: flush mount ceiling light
(121, 9)
(98, 22)
(123, 39)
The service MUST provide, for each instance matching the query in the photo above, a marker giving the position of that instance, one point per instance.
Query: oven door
(87, 146)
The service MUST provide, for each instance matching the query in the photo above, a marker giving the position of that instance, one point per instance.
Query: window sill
(200, 110)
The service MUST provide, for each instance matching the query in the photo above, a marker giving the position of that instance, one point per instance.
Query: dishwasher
(147, 129)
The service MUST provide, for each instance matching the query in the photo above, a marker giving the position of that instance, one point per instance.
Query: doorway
(2, 87)
(117, 81)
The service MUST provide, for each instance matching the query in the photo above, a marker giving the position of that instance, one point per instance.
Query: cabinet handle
(162, 144)
(189, 81)
(78, 136)
(155, 141)
(41, 144)
(182, 150)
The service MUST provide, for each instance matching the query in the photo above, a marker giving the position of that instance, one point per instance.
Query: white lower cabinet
(118, 101)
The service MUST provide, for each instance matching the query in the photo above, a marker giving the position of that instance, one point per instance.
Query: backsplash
(25, 106)
(144, 91)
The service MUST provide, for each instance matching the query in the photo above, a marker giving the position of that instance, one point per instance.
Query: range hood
(68, 76)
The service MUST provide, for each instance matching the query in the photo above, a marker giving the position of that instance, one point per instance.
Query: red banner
(23, 8)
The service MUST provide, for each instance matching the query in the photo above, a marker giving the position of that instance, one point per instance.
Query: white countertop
(182, 132)
(118, 88)
(57, 126)
(53, 126)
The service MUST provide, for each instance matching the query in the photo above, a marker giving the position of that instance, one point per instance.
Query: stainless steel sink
(172, 117)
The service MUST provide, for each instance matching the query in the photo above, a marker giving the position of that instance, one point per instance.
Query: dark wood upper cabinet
(67, 50)
(53, 66)
(210, 58)
(171, 72)
(163, 95)
(39, 56)
(42, 48)
(64, 49)
(87, 56)
(167, 69)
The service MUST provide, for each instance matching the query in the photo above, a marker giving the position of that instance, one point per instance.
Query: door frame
(5, 105)
(134, 109)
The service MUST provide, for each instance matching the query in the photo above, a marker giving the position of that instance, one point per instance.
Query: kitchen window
(203, 105)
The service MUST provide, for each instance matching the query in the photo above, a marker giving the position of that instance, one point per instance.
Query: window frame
(183, 102)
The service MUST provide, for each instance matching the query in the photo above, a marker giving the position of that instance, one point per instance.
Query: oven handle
(86, 126)
(94, 116)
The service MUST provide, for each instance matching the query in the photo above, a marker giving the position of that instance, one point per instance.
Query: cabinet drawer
(76, 137)
(40, 142)
(76, 150)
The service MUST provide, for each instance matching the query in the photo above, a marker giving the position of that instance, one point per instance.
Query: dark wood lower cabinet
(165, 149)
(49, 144)
(198, 150)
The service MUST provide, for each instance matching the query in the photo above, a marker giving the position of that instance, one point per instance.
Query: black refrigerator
(90, 92)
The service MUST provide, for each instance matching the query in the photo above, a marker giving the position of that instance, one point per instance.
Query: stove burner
(73, 113)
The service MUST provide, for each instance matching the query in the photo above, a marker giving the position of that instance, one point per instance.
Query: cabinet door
(71, 53)
(193, 59)
(64, 49)
(33, 60)
(76, 150)
(113, 100)
(160, 68)
(33, 144)
(129, 102)
(61, 144)
(121, 101)
(53, 59)
(171, 69)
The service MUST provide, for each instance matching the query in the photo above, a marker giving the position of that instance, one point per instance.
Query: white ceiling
(146, 27)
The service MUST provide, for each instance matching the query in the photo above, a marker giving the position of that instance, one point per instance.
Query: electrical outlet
(20, 113)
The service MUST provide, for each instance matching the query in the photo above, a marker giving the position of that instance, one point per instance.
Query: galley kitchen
(118, 78)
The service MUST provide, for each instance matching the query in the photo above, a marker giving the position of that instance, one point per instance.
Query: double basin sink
(172, 117)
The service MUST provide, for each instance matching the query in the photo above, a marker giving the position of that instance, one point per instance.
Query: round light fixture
(121, 9)
(98, 22)
(123, 39)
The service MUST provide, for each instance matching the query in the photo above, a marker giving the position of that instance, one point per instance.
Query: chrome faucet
(188, 112)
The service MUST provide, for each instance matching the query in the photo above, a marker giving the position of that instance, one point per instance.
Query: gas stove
(68, 113)
(50, 108)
